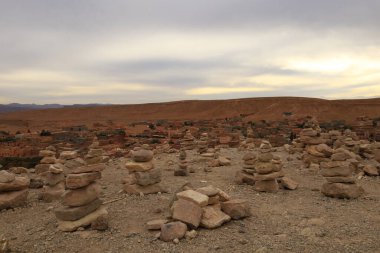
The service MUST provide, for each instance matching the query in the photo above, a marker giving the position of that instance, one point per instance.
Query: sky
(126, 52)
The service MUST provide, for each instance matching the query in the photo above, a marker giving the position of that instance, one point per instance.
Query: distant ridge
(14, 107)
(251, 109)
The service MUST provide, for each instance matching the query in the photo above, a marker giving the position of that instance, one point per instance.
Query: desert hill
(271, 108)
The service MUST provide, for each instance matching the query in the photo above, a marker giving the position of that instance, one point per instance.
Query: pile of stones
(143, 177)
(202, 143)
(81, 204)
(206, 207)
(54, 183)
(264, 171)
(338, 173)
(48, 158)
(13, 190)
(188, 141)
(95, 154)
(182, 170)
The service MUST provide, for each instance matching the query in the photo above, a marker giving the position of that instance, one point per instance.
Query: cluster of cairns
(206, 207)
(81, 206)
(182, 169)
(338, 173)
(264, 171)
(144, 177)
(13, 190)
(48, 158)
(188, 141)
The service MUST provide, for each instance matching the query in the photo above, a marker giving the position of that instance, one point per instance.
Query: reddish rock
(13, 199)
(236, 208)
(213, 217)
(19, 183)
(81, 196)
(188, 212)
(75, 181)
(339, 190)
(289, 183)
(75, 213)
(173, 230)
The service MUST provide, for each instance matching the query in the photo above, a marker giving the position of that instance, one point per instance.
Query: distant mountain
(15, 107)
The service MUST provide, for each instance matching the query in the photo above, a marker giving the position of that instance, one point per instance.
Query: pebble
(176, 241)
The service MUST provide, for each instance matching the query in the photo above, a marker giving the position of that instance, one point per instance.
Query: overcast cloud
(120, 51)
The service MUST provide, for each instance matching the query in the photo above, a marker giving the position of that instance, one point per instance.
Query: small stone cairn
(188, 141)
(338, 173)
(202, 143)
(81, 206)
(182, 165)
(13, 190)
(143, 177)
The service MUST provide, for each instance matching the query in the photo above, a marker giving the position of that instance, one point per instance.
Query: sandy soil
(288, 221)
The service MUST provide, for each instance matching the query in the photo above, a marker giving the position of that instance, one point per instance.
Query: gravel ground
(288, 221)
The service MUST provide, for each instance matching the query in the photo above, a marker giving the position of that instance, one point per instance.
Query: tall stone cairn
(81, 206)
(13, 190)
(338, 173)
(202, 143)
(182, 165)
(188, 141)
(143, 177)
(267, 169)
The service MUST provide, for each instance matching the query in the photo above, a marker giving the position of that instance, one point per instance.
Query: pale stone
(213, 217)
(196, 197)
(208, 190)
(139, 166)
(88, 168)
(156, 224)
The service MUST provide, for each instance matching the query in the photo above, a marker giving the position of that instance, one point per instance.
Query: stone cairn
(182, 165)
(338, 173)
(95, 154)
(54, 183)
(48, 158)
(188, 142)
(206, 207)
(143, 177)
(81, 206)
(13, 190)
(264, 171)
(202, 143)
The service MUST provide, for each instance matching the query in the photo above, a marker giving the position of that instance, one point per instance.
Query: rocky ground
(288, 221)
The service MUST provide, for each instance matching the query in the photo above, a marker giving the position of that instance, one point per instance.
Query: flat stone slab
(88, 168)
(213, 217)
(156, 224)
(196, 197)
(70, 226)
(75, 181)
(139, 166)
(188, 212)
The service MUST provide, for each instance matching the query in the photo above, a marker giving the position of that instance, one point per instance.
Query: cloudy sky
(124, 51)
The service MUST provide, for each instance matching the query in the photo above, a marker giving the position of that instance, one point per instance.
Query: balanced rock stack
(206, 207)
(81, 204)
(143, 177)
(13, 190)
(70, 159)
(95, 153)
(268, 169)
(188, 142)
(48, 158)
(182, 165)
(338, 173)
(245, 176)
(203, 143)
(54, 183)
